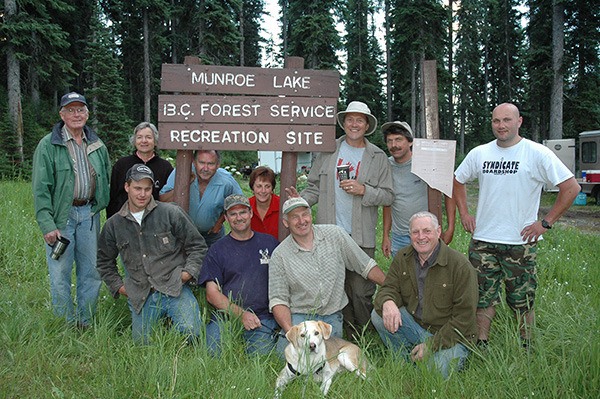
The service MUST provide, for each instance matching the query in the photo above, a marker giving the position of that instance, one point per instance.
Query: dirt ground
(587, 218)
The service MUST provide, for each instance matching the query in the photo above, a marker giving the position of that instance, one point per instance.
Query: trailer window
(589, 152)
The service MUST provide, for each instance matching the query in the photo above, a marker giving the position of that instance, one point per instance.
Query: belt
(81, 202)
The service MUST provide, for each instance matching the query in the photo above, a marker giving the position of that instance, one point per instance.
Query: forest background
(540, 54)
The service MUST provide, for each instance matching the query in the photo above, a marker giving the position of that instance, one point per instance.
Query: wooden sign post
(429, 74)
(246, 109)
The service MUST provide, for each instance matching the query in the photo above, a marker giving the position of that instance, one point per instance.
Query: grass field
(41, 358)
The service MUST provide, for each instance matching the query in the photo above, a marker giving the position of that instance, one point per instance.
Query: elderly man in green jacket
(426, 306)
(71, 172)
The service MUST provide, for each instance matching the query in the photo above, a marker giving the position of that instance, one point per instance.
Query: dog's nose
(313, 346)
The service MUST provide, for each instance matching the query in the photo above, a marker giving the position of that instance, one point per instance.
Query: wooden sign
(211, 79)
(247, 109)
(246, 137)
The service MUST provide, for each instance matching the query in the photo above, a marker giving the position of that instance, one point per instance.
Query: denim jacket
(154, 253)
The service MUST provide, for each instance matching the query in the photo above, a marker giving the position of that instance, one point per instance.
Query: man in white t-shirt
(511, 172)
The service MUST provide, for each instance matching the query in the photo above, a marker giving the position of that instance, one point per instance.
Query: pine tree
(582, 108)
(105, 96)
(471, 91)
(418, 33)
(364, 66)
(309, 31)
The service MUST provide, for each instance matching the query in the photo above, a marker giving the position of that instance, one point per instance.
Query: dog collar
(296, 373)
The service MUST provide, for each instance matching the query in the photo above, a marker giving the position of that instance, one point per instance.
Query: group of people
(433, 305)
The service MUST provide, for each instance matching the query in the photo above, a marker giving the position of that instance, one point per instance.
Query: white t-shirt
(510, 186)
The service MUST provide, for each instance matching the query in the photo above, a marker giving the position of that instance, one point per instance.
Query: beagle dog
(313, 351)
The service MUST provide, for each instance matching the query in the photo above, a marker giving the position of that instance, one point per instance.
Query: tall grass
(41, 358)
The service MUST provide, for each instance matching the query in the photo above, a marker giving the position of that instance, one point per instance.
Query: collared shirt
(421, 273)
(205, 210)
(85, 182)
(270, 223)
(312, 281)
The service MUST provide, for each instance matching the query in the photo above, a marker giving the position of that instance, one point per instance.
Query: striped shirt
(85, 175)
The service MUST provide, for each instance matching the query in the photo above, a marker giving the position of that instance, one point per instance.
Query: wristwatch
(546, 225)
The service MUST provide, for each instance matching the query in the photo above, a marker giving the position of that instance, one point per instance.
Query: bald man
(511, 171)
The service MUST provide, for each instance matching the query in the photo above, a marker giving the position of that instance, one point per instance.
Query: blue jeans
(183, 310)
(260, 340)
(399, 241)
(411, 334)
(82, 230)
(335, 319)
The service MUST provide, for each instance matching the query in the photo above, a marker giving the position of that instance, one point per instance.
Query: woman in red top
(264, 203)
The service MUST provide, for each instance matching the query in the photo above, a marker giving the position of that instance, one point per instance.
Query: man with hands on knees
(161, 251)
(426, 306)
(306, 274)
(236, 275)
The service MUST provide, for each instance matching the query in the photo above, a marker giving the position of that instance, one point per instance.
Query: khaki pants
(357, 313)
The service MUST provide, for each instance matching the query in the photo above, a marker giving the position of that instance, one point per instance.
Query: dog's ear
(326, 329)
(292, 335)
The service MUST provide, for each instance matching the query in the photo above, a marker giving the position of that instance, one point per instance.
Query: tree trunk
(242, 37)
(558, 45)
(451, 72)
(147, 79)
(13, 82)
(413, 95)
(388, 65)
(423, 122)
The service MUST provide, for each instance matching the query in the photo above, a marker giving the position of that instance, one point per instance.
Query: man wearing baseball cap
(349, 185)
(308, 268)
(71, 171)
(410, 191)
(161, 250)
(236, 275)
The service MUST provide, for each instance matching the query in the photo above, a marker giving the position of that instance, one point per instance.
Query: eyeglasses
(74, 110)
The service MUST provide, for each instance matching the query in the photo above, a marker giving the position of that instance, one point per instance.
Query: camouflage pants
(513, 264)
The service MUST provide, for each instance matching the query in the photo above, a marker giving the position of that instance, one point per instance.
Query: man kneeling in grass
(427, 304)
(161, 250)
(236, 275)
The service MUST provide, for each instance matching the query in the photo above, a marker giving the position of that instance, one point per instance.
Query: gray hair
(425, 214)
(141, 126)
(216, 152)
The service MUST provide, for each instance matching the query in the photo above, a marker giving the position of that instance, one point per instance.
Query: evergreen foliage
(105, 97)
(311, 33)
(502, 51)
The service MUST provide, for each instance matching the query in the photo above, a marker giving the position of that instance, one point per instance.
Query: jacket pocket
(165, 242)
(443, 297)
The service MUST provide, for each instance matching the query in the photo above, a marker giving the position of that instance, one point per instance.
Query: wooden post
(432, 130)
(289, 160)
(183, 163)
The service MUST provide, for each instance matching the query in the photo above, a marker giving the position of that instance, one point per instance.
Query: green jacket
(54, 180)
(450, 298)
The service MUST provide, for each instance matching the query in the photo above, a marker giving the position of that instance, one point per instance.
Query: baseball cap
(72, 97)
(235, 199)
(293, 203)
(138, 172)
